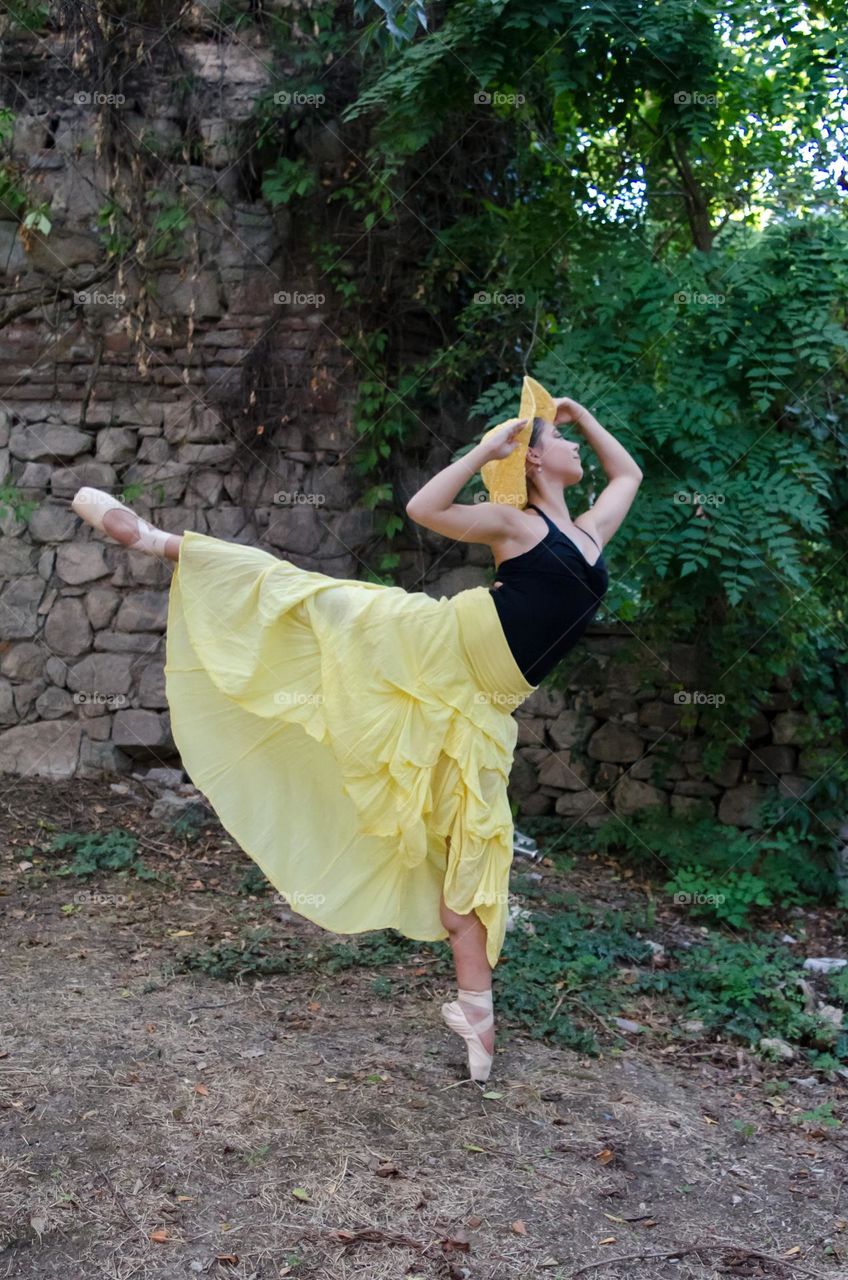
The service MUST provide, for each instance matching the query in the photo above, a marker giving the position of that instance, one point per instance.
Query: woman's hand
(567, 411)
(505, 441)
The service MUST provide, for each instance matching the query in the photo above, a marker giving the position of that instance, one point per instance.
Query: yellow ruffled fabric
(355, 739)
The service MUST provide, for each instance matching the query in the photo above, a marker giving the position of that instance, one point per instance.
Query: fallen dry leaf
(519, 1227)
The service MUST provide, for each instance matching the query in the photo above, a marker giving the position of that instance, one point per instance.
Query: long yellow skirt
(354, 739)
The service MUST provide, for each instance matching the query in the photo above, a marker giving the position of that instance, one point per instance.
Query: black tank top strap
(549, 521)
(588, 535)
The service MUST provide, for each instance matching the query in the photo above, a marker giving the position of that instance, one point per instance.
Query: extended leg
(103, 512)
(124, 527)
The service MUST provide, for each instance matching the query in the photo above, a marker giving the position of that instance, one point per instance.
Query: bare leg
(467, 937)
(123, 527)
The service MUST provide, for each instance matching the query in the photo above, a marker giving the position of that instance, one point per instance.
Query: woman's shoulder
(521, 532)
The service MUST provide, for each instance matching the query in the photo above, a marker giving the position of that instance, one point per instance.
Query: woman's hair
(539, 425)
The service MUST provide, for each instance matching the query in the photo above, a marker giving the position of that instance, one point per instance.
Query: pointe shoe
(91, 506)
(479, 1059)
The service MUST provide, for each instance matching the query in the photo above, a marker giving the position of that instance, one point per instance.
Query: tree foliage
(644, 207)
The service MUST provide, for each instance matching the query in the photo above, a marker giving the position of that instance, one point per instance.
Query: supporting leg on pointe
(467, 937)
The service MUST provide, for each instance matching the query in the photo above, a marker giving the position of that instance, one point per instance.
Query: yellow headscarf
(505, 478)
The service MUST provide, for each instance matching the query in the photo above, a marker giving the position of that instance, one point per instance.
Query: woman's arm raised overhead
(625, 475)
(433, 505)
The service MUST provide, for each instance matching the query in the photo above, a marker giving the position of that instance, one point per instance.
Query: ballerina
(356, 739)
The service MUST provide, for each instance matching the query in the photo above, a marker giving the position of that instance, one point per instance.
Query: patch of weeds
(256, 1157)
(563, 862)
(12, 499)
(382, 987)
(820, 1117)
(191, 823)
(747, 990)
(520, 882)
(568, 900)
(826, 1063)
(383, 947)
(245, 957)
(254, 882)
(557, 842)
(571, 960)
(96, 851)
(837, 984)
(719, 872)
(560, 979)
(251, 956)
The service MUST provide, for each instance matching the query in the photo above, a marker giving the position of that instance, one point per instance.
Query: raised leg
(105, 513)
(124, 527)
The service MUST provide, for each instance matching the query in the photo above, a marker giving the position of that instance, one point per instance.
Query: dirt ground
(160, 1123)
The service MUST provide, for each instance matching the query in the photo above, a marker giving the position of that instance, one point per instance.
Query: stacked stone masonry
(619, 736)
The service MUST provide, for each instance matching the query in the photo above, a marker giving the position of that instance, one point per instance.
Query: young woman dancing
(356, 739)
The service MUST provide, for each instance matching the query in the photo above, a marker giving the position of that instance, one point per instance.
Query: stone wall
(213, 390)
(615, 738)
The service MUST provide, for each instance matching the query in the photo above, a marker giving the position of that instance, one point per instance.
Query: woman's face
(559, 457)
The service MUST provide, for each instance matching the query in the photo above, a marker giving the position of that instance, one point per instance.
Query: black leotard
(549, 596)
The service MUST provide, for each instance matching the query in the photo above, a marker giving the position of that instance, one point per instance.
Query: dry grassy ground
(159, 1123)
